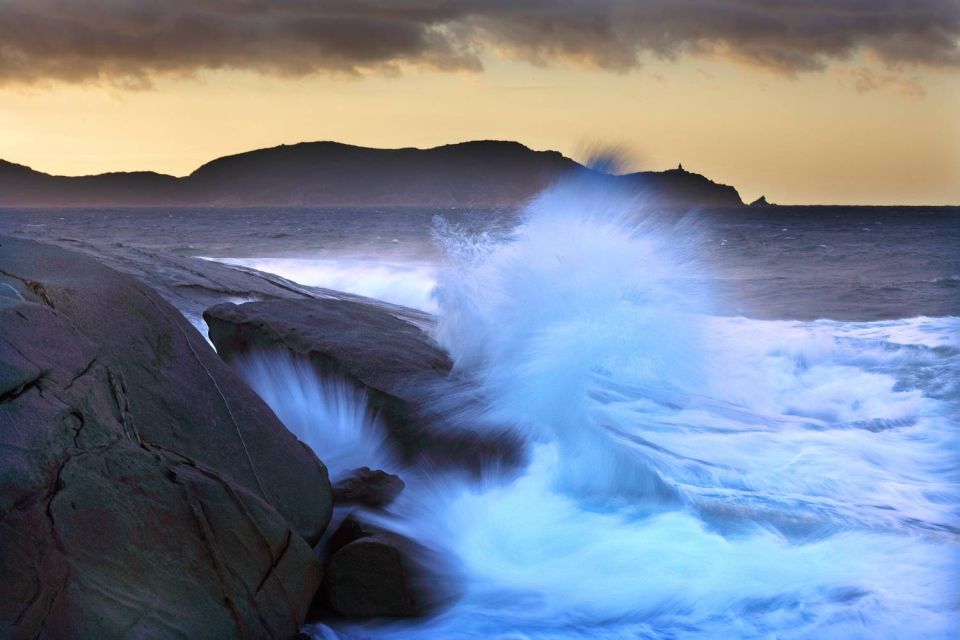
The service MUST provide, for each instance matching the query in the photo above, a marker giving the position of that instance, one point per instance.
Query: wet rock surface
(369, 578)
(373, 572)
(366, 487)
(145, 491)
(380, 350)
(193, 284)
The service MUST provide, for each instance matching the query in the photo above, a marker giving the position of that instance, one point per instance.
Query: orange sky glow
(858, 130)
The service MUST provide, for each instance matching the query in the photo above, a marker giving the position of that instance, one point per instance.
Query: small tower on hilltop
(680, 167)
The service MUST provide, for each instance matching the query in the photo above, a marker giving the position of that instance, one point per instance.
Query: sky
(843, 102)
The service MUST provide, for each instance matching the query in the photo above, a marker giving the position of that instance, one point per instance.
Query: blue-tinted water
(849, 263)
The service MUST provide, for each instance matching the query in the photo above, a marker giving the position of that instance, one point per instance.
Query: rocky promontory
(145, 490)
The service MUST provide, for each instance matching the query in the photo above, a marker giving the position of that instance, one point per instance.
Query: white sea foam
(405, 283)
(691, 475)
(325, 411)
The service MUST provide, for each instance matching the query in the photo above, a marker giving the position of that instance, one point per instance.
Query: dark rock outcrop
(370, 578)
(681, 188)
(761, 202)
(372, 572)
(368, 488)
(145, 491)
(397, 365)
(482, 173)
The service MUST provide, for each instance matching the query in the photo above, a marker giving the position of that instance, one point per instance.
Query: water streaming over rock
(691, 475)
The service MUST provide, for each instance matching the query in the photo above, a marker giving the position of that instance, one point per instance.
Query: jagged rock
(144, 490)
(760, 202)
(367, 488)
(395, 362)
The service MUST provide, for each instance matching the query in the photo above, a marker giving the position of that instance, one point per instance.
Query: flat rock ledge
(399, 367)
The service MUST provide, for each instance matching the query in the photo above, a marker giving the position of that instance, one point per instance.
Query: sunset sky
(850, 101)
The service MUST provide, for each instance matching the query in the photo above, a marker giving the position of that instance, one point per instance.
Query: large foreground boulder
(145, 491)
(399, 367)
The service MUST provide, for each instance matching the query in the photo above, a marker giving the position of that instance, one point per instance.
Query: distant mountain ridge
(469, 174)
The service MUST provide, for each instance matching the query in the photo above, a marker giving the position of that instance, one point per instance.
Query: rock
(351, 528)
(367, 488)
(368, 578)
(760, 202)
(193, 285)
(372, 572)
(185, 398)
(145, 491)
(397, 365)
(366, 341)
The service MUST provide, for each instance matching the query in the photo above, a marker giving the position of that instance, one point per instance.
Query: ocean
(800, 263)
(742, 423)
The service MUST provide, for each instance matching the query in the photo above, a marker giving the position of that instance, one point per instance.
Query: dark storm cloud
(129, 41)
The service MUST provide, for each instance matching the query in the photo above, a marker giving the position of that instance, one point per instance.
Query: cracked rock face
(144, 490)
